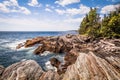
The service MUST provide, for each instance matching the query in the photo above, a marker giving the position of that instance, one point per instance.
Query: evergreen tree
(111, 25)
(84, 25)
(90, 24)
(108, 27)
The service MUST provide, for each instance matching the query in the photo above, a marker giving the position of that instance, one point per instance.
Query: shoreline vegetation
(108, 27)
(93, 54)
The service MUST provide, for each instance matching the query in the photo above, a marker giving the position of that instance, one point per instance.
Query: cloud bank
(12, 6)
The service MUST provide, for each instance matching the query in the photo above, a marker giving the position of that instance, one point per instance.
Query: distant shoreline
(41, 31)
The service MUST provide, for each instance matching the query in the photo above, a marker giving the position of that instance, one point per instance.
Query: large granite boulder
(24, 70)
(88, 66)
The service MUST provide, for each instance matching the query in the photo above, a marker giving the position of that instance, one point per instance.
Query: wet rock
(39, 50)
(19, 46)
(33, 41)
(60, 44)
(55, 62)
(1, 71)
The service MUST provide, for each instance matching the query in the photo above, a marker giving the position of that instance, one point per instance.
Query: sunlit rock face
(91, 67)
(24, 70)
(49, 75)
(55, 44)
(85, 58)
(102, 62)
(27, 70)
(68, 44)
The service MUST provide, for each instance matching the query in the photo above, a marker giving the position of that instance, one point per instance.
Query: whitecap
(3, 41)
(60, 57)
(15, 58)
(45, 53)
(23, 60)
(29, 53)
(30, 50)
(48, 66)
(12, 45)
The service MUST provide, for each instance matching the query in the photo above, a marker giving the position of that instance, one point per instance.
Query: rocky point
(85, 58)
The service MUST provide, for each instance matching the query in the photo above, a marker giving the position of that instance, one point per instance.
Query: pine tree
(84, 25)
(108, 27)
(111, 25)
(90, 24)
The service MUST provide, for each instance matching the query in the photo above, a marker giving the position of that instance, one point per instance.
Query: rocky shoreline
(85, 59)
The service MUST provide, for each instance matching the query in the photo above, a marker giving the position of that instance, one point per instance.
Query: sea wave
(60, 57)
(48, 66)
(45, 53)
(3, 41)
(12, 44)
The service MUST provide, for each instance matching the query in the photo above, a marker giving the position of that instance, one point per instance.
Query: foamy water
(48, 66)
(12, 44)
(9, 54)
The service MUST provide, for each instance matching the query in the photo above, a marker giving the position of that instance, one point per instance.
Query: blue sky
(48, 15)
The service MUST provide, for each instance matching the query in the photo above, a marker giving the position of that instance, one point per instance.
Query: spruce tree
(109, 26)
(90, 24)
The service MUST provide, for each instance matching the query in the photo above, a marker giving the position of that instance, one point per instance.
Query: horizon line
(39, 31)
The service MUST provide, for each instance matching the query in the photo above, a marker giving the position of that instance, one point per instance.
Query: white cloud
(61, 12)
(66, 2)
(28, 24)
(74, 20)
(34, 3)
(24, 10)
(74, 11)
(10, 3)
(101, 17)
(108, 8)
(14, 2)
(47, 5)
(3, 8)
(47, 9)
(13, 6)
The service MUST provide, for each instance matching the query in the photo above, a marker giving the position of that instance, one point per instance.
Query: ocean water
(9, 41)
